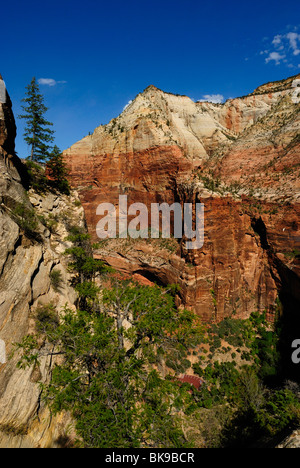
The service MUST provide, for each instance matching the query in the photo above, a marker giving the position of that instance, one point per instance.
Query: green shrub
(47, 319)
(26, 220)
(37, 178)
(56, 279)
(50, 222)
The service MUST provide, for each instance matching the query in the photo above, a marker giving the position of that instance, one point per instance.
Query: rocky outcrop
(26, 262)
(292, 441)
(241, 159)
(237, 270)
(240, 113)
(7, 121)
(265, 157)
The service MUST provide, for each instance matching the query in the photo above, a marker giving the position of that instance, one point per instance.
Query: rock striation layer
(241, 159)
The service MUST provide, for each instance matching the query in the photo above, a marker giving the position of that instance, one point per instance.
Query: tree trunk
(32, 146)
(120, 328)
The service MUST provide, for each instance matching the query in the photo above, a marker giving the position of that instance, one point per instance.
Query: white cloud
(293, 40)
(277, 40)
(214, 98)
(49, 82)
(127, 105)
(284, 48)
(276, 57)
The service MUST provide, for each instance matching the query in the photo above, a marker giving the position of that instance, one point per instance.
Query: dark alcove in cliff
(288, 283)
(150, 276)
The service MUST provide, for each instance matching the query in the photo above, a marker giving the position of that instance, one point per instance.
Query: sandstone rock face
(266, 155)
(141, 175)
(241, 159)
(25, 266)
(292, 441)
(238, 114)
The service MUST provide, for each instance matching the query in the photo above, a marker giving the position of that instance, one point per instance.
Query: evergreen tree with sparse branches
(37, 133)
(57, 171)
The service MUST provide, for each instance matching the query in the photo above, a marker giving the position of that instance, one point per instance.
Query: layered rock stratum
(241, 159)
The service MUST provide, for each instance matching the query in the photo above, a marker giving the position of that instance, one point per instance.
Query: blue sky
(94, 56)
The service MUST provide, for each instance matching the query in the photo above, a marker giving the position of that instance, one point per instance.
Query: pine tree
(37, 133)
(57, 171)
(111, 347)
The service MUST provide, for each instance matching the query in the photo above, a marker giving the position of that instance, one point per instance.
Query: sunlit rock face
(241, 159)
(25, 267)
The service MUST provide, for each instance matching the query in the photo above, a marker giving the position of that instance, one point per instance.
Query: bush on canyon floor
(259, 405)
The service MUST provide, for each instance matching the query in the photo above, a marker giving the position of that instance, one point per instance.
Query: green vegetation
(50, 222)
(37, 133)
(106, 376)
(26, 219)
(294, 254)
(53, 177)
(85, 269)
(257, 406)
(46, 318)
(210, 183)
(122, 349)
(215, 184)
(37, 177)
(38, 136)
(56, 279)
(57, 171)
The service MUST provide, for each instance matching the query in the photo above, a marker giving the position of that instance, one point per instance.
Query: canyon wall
(241, 159)
(26, 262)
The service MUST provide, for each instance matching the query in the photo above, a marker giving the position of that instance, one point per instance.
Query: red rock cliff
(241, 159)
